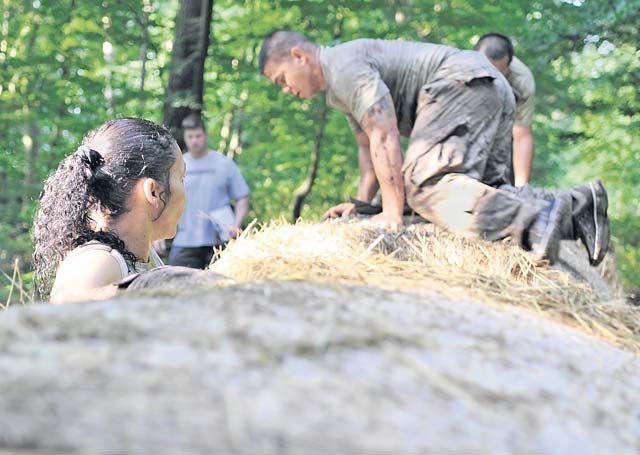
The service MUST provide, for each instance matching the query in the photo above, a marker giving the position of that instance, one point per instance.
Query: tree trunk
(185, 89)
(143, 20)
(236, 126)
(305, 188)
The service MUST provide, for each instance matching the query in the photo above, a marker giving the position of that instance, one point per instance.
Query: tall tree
(190, 46)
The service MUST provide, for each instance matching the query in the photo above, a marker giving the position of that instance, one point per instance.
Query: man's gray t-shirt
(359, 73)
(211, 182)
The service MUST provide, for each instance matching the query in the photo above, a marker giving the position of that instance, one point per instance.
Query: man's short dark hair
(495, 46)
(193, 122)
(277, 46)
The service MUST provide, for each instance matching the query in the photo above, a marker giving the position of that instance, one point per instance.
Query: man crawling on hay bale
(458, 111)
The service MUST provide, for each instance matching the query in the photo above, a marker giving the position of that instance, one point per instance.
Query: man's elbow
(363, 139)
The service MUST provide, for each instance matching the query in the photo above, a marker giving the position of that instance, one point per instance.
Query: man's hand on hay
(387, 221)
(382, 220)
(341, 210)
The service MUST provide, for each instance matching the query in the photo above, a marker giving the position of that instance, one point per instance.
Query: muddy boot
(542, 238)
(590, 220)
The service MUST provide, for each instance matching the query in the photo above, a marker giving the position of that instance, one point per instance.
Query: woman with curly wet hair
(104, 206)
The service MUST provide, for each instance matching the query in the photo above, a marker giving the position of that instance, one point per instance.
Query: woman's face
(167, 224)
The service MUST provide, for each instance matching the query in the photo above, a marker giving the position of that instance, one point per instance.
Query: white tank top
(126, 269)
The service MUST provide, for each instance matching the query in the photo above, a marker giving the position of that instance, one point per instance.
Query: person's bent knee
(419, 198)
(411, 190)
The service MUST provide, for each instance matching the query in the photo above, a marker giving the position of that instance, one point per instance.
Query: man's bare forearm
(380, 125)
(242, 208)
(522, 154)
(368, 181)
(386, 155)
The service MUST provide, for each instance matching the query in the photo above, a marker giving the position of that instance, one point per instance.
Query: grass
(15, 290)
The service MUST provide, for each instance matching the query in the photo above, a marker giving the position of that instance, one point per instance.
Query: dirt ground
(294, 367)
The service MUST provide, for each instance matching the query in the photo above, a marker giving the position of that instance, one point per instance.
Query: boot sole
(602, 234)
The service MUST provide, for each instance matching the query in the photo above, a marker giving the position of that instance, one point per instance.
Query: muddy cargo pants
(459, 153)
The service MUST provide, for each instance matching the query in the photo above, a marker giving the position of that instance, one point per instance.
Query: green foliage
(58, 81)
(55, 78)
(605, 81)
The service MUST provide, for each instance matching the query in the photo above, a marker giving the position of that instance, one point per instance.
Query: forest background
(66, 66)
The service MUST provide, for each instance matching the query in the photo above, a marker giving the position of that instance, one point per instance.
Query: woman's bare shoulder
(79, 275)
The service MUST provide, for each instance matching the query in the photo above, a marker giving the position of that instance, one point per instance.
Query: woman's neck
(135, 231)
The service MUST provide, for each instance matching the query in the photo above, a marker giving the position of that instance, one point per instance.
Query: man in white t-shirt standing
(212, 182)
(499, 50)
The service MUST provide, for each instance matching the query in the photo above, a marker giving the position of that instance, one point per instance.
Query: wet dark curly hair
(97, 181)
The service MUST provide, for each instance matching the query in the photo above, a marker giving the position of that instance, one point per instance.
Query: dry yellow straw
(419, 258)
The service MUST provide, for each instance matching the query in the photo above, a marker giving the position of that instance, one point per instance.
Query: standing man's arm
(522, 132)
(238, 191)
(242, 208)
(522, 154)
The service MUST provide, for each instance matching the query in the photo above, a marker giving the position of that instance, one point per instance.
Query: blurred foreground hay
(421, 257)
(292, 367)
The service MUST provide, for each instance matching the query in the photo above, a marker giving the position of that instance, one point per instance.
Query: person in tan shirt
(499, 50)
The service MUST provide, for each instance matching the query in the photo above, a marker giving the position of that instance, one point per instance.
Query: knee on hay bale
(422, 257)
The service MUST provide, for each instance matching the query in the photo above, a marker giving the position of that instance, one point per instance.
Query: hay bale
(294, 367)
(423, 257)
(312, 363)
